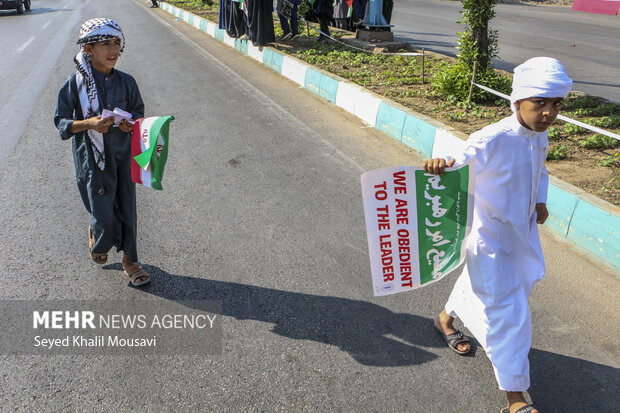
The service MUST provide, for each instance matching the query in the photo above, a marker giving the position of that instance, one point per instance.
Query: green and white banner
(416, 224)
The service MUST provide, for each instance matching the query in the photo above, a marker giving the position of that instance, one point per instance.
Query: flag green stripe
(145, 157)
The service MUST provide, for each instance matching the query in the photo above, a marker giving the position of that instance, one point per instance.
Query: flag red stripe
(136, 150)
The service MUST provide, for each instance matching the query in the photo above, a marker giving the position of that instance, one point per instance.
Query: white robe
(504, 256)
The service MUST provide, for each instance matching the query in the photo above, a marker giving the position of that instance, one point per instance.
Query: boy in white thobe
(504, 256)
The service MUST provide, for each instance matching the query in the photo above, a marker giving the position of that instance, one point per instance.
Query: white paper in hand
(118, 115)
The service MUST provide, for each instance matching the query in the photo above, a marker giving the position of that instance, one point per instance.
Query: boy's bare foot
(444, 323)
(516, 401)
(137, 275)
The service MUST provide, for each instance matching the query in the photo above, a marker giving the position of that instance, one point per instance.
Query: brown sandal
(525, 409)
(98, 258)
(136, 271)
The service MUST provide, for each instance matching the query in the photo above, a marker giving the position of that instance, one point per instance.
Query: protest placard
(416, 224)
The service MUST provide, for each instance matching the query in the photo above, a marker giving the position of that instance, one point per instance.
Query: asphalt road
(261, 210)
(587, 44)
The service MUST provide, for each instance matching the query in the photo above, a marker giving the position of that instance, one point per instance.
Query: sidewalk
(575, 215)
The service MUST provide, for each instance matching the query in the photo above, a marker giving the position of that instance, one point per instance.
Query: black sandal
(454, 339)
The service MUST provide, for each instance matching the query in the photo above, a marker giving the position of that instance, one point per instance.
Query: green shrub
(608, 122)
(557, 152)
(579, 103)
(457, 117)
(454, 81)
(197, 4)
(599, 141)
(609, 161)
(600, 110)
(572, 129)
(554, 133)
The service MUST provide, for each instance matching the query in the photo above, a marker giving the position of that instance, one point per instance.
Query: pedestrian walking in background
(504, 256)
(324, 11)
(101, 150)
(287, 13)
(154, 3)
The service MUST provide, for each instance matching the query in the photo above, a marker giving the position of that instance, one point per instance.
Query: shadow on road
(568, 384)
(376, 336)
(371, 334)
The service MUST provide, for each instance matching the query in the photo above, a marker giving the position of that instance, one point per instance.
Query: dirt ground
(581, 167)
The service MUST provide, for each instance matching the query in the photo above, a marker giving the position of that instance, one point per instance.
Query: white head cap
(540, 77)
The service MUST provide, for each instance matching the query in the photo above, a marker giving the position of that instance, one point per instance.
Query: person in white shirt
(504, 256)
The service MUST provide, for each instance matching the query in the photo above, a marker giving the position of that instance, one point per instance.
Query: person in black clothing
(388, 5)
(234, 19)
(290, 31)
(324, 10)
(154, 3)
(260, 22)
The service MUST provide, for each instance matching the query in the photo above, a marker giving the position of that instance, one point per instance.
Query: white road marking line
(46, 24)
(23, 46)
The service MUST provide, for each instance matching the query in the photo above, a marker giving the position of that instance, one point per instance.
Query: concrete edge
(575, 215)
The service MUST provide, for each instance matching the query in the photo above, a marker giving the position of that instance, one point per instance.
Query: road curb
(579, 217)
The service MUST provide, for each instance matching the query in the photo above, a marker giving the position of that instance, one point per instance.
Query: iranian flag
(149, 150)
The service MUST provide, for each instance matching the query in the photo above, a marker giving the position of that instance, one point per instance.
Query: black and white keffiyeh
(92, 31)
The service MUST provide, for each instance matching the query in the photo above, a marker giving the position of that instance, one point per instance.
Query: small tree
(477, 43)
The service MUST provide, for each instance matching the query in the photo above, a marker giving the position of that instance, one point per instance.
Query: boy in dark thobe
(102, 150)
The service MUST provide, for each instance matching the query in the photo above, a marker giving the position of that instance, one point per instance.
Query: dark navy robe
(236, 21)
(260, 22)
(108, 195)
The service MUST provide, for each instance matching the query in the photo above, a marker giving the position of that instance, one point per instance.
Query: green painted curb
(391, 121)
(313, 81)
(419, 135)
(219, 34)
(273, 60)
(561, 209)
(242, 46)
(596, 230)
